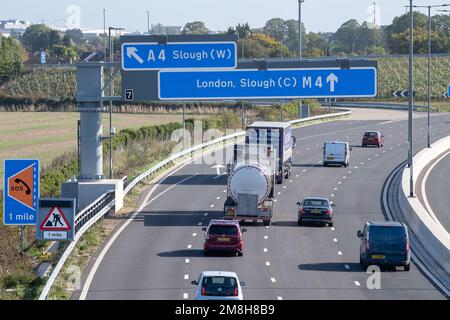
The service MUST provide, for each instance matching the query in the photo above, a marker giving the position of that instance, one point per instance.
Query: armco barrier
(429, 232)
(88, 216)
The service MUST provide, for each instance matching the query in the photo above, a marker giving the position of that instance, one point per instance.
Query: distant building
(158, 29)
(13, 27)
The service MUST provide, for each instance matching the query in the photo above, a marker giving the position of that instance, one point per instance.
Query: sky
(317, 15)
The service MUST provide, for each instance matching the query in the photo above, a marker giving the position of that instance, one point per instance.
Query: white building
(7, 27)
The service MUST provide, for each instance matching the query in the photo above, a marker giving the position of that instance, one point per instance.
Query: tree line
(277, 38)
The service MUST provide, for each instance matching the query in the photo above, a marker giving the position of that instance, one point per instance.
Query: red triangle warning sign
(55, 220)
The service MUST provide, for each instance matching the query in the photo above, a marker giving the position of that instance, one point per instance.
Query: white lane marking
(186, 260)
(369, 159)
(200, 223)
(186, 277)
(347, 266)
(266, 237)
(265, 249)
(189, 246)
(218, 198)
(205, 214)
(275, 200)
(273, 280)
(386, 122)
(344, 177)
(357, 283)
(185, 295)
(267, 227)
(279, 298)
(332, 195)
(194, 234)
(296, 175)
(290, 180)
(267, 263)
(339, 182)
(424, 193)
(384, 151)
(224, 190)
(102, 254)
(304, 170)
(336, 188)
(355, 167)
(349, 172)
(332, 229)
(340, 253)
(279, 193)
(335, 240)
(284, 187)
(362, 163)
(376, 155)
(211, 206)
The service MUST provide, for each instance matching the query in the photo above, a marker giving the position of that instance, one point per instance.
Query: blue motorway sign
(448, 91)
(179, 55)
(43, 57)
(274, 83)
(21, 192)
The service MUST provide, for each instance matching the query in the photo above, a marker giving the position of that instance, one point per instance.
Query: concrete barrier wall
(430, 233)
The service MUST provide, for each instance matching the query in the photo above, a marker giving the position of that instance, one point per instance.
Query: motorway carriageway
(159, 252)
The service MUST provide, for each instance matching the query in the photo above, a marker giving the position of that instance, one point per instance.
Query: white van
(336, 152)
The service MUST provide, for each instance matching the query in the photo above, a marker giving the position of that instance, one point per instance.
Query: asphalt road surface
(160, 251)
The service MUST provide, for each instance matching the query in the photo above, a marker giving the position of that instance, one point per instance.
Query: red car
(373, 138)
(223, 235)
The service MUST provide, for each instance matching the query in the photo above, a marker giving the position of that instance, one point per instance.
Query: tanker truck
(250, 186)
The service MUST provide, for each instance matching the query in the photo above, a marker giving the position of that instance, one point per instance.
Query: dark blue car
(384, 243)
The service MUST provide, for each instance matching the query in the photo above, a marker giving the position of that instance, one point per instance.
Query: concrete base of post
(88, 191)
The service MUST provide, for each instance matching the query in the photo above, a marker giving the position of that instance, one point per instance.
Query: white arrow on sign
(218, 167)
(332, 79)
(131, 52)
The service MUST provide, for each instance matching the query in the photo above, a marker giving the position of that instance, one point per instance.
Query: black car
(313, 209)
(384, 243)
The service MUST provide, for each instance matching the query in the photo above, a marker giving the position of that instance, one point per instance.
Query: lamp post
(148, 22)
(429, 66)
(300, 47)
(111, 59)
(300, 28)
(410, 101)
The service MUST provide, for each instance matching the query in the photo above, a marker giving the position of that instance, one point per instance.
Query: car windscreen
(393, 235)
(371, 134)
(219, 285)
(315, 203)
(223, 230)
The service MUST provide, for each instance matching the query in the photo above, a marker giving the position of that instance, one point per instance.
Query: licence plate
(330, 158)
(223, 239)
(316, 211)
(377, 256)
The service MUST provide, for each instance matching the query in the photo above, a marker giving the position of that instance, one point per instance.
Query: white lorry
(265, 158)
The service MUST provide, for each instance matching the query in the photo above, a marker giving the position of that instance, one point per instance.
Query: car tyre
(266, 223)
(300, 222)
(325, 164)
(205, 253)
(331, 224)
(407, 267)
(240, 253)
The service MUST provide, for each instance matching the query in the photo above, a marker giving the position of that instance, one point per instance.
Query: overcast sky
(318, 15)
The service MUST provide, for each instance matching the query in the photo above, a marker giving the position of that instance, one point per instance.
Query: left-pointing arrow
(131, 52)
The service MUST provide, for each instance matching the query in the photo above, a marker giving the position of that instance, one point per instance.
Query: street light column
(429, 77)
(410, 101)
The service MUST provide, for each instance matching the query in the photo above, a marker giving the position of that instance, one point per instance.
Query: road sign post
(266, 84)
(56, 220)
(21, 192)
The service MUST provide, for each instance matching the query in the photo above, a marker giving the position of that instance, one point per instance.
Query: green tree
(276, 28)
(196, 27)
(12, 56)
(40, 37)
(315, 45)
(76, 35)
(398, 32)
(259, 45)
(347, 35)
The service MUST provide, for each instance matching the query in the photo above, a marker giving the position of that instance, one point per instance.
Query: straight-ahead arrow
(131, 52)
(332, 79)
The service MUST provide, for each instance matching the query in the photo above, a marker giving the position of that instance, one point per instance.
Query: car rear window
(387, 234)
(371, 134)
(223, 230)
(315, 203)
(219, 286)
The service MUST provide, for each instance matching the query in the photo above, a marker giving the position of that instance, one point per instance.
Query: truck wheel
(300, 222)
(280, 180)
(325, 164)
(266, 223)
